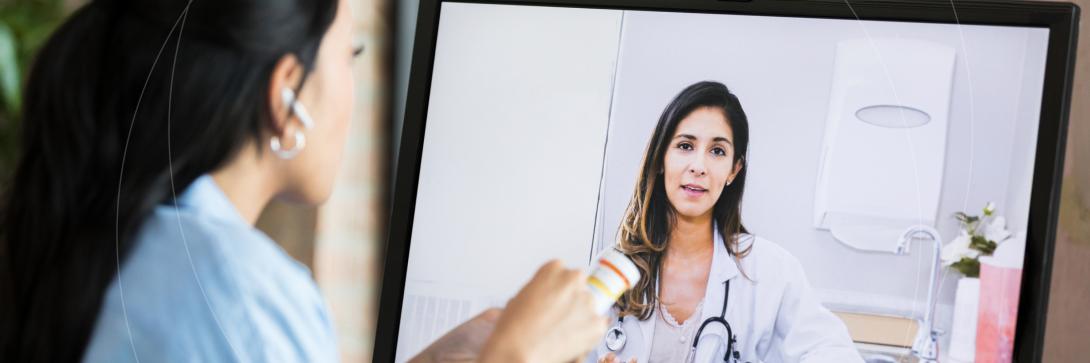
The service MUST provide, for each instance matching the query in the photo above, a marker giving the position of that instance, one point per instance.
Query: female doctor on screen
(710, 291)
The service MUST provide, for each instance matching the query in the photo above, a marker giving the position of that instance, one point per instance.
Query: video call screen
(538, 119)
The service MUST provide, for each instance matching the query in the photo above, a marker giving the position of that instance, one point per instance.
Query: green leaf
(967, 221)
(969, 267)
(983, 245)
(961, 217)
(25, 25)
(9, 71)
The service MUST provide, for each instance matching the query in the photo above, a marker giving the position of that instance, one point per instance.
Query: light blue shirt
(202, 285)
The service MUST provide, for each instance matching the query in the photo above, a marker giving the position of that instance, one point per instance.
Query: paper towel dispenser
(885, 140)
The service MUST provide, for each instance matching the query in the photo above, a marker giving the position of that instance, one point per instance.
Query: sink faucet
(926, 345)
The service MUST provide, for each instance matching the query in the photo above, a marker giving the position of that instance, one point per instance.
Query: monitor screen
(864, 139)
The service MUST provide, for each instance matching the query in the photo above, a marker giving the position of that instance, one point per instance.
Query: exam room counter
(882, 338)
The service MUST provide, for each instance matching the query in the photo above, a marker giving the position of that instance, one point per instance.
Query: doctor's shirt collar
(724, 267)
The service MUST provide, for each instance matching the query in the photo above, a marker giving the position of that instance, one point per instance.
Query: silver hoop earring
(300, 143)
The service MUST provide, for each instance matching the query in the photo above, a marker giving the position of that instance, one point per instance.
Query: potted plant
(979, 235)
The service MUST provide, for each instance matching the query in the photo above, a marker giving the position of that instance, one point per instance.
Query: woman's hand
(610, 358)
(552, 319)
(463, 343)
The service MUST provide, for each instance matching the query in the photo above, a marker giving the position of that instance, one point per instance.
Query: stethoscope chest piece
(615, 338)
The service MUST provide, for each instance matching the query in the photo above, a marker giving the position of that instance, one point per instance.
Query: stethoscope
(615, 337)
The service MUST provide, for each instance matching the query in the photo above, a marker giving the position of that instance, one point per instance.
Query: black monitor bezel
(1060, 18)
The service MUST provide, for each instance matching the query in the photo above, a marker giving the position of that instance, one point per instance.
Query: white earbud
(297, 107)
(288, 96)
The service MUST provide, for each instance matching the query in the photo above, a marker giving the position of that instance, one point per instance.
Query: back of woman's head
(128, 102)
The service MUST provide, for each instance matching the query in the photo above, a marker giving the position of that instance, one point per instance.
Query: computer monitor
(527, 122)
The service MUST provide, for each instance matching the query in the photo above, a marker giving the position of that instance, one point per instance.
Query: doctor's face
(699, 162)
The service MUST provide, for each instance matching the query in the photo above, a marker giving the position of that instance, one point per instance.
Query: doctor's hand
(610, 358)
(552, 319)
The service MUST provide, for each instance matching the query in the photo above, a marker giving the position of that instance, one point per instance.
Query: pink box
(997, 313)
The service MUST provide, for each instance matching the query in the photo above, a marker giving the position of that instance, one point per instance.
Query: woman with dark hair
(709, 290)
(154, 134)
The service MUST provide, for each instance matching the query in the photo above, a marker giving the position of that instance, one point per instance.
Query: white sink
(874, 353)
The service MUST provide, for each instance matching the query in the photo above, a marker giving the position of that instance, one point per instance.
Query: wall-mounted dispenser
(885, 140)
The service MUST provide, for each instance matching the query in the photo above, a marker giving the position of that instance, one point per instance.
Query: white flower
(958, 248)
(996, 231)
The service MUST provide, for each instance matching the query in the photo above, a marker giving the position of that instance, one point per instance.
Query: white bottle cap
(613, 275)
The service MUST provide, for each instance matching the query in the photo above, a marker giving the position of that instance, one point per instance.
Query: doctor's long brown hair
(649, 218)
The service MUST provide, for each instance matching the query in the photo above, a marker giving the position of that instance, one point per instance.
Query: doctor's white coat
(774, 314)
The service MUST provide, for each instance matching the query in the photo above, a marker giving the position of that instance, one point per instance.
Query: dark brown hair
(650, 218)
(99, 151)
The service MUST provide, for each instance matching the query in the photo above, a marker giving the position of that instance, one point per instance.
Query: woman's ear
(738, 165)
(287, 73)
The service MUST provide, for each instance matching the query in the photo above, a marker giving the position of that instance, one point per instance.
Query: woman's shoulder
(761, 247)
(226, 248)
(228, 262)
(193, 283)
